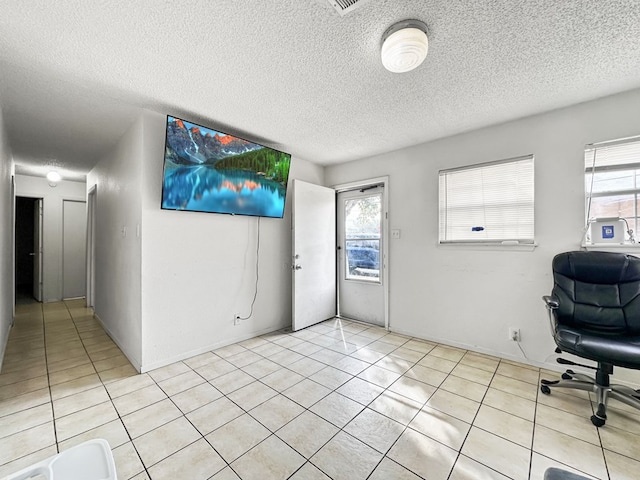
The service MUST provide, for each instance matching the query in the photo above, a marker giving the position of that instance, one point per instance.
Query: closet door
(74, 235)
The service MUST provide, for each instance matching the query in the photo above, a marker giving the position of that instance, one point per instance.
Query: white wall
(6, 241)
(53, 197)
(469, 296)
(198, 269)
(117, 178)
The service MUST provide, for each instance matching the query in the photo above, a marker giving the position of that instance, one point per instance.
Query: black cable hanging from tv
(255, 294)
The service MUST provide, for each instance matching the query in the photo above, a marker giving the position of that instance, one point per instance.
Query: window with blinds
(612, 180)
(488, 203)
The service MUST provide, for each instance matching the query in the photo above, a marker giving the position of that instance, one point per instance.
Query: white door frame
(39, 257)
(13, 247)
(41, 243)
(91, 246)
(384, 181)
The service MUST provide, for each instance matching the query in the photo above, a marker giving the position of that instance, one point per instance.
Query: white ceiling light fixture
(53, 177)
(404, 46)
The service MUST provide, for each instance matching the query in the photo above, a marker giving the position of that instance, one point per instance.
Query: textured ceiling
(295, 74)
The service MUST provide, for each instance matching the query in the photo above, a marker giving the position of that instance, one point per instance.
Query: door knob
(297, 267)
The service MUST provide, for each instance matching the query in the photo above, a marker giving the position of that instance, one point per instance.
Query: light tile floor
(338, 400)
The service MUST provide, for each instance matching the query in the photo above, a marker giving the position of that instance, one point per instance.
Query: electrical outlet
(514, 334)
(236, 319)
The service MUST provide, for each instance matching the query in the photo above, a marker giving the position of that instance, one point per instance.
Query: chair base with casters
(593, 347)
(599, 385)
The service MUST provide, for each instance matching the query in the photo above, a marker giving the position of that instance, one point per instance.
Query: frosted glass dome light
(53, 177)
(404, 46)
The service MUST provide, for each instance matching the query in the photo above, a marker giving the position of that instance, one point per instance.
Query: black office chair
(594, 310)
(559, 474)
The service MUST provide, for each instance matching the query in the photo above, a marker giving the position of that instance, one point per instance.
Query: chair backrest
(598, 291)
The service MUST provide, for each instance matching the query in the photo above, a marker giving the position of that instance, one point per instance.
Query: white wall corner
(132, 359)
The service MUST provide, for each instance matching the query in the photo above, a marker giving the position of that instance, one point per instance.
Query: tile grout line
(332, 390)
(306, 409)
(225, 395)
(494, 373)
(407, 426)
(475, 416)
(342, 429)
(538, 392)
(187, 366)
(27, 337)
(108, 394)
(75, 326)
(46, 364)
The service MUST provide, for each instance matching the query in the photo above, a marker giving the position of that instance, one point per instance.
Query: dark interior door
(24, 247)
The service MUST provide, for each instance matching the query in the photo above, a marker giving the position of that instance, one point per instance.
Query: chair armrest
(551, 302)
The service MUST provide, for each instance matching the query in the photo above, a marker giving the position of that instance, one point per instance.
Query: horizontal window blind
(486, 203)
(613, 155)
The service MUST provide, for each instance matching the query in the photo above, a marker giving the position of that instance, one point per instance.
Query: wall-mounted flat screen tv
(210, 171)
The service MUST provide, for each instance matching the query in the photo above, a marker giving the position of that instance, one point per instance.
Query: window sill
(612, 247)
(491, 246)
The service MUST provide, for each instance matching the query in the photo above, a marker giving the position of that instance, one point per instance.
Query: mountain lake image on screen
(210, 171)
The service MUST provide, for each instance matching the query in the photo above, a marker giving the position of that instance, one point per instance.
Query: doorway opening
(323, 254)
(91, 246)
(361, 237)
(28, 250)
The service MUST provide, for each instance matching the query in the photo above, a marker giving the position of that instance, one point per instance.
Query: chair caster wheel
(544, 389)
(597, 421)
(566, 376)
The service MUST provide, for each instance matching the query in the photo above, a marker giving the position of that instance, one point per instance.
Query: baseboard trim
(208, 348)
(477, 349)
(554, 367)
(5, 342)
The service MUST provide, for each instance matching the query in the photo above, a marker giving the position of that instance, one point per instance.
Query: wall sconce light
(404, 46)
(53, 178)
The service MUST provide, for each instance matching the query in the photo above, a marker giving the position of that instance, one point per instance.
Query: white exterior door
(314, 254)
(360, 255)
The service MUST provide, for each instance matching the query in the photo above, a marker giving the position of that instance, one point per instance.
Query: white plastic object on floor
(90, 460)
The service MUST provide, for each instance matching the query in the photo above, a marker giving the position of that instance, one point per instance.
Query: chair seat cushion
(558, 474)
(616, 350)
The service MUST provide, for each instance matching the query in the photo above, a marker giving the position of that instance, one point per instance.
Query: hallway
(57, 361)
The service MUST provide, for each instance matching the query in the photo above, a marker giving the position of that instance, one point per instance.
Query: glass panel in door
(363, 217)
